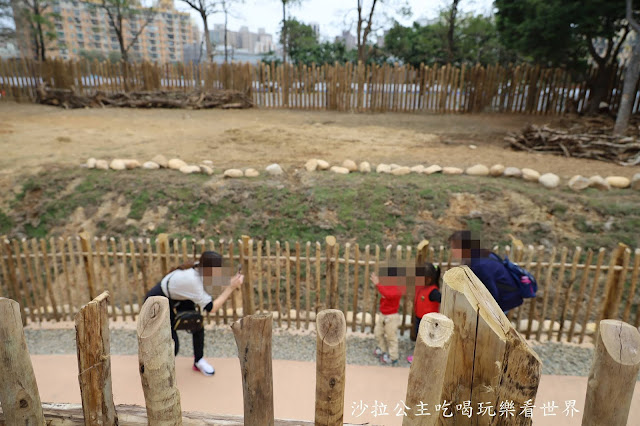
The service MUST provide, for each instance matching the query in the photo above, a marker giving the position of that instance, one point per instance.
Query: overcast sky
(332, 15)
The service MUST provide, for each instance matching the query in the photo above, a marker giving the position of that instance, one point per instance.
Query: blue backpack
(526, 282)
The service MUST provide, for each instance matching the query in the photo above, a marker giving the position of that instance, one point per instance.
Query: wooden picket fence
(350, 87)
(53, 278)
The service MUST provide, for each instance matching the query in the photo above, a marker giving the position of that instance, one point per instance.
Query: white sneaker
(204, 367)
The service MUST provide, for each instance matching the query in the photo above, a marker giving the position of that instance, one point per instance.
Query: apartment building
(244, 40)
(84, 29)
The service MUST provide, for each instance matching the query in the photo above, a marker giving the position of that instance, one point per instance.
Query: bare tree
(205, 8)
(35, 15)
(364, 26)
(226, 6)
(630, 78)
(451, 22)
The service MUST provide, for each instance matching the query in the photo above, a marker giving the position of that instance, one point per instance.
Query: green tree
(566, 33)
(38, 18)
(283, 34)
(417, 44)
(204, 8)
(7, 30)
(92, 55)
(298, 39)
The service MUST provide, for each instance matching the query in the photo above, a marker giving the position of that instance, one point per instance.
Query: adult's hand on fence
(374, 278)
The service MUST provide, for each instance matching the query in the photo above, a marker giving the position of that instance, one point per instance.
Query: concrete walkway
(294, 389)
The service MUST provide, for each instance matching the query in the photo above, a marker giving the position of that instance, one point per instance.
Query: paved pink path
(294, 388)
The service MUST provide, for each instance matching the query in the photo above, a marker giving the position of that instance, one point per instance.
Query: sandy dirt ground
(32, 136)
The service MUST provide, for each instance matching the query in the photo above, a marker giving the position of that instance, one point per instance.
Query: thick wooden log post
(18, 388)
(488, 360)
(421, 258)
(157, 363)
(616, 362)
(429, 365)
(94, 362)
(162, 245)
(331, 358)
(613, 287)
(87, 257)
(253, 338)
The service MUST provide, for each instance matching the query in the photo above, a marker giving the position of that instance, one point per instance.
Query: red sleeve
(391, 291)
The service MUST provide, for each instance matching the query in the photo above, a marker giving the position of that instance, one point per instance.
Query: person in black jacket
(184, 286)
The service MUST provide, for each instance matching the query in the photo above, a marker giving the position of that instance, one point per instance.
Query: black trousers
(181, 305)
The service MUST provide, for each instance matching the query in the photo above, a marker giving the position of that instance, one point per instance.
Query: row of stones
(549, 180)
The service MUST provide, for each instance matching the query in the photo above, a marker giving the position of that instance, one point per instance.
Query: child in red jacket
(388, 320)
(427, 297)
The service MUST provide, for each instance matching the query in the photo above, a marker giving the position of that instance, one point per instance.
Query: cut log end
(332, 326)
(435, 330)
(622, 341)
(154, 314)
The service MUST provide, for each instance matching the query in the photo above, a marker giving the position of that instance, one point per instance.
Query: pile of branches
(592, 139)
(225, 99)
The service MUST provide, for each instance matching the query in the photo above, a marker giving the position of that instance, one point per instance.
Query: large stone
(91, 163)
(619, 182)
(496, 170)
(323, 165)
(432, 169)
(205, 168)
(150, 165)
(549, 180)
(635, 182)
(350, 165)
(365, 167)
(189, 169)
(512, 172)
(599, 182)
(339, 170)
(417, 169)
(578, 183)
(233, 173)
(394, 166)
(102, 165)
(131, 164)
(311, 165)
(160, 160)
(530, 175)
(478, 170)
(452, 171)
(251, 173)
(401, 171)
(176, 164)
(274, 169)
(208, 163)
(117, 164)
(383, 168)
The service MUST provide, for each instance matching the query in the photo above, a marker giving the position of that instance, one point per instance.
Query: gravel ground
(557, 358)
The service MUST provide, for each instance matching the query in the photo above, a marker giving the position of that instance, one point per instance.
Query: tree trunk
(207, 38)
(452, 25)
(226, 51)
(629, 90)
(599, 87)
(284, 32)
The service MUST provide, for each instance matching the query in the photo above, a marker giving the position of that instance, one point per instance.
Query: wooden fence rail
(53, 278)
(343, 87)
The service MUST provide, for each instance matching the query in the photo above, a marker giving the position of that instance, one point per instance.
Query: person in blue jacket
(488, 268)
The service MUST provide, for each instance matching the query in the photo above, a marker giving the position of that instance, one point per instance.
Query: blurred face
(458, 253)
(211, 275)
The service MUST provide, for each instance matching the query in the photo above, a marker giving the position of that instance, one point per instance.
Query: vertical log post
(613, 286)
(247, 288)
(426, 375)
(616, 362)
(157, 363)
(488, 360)
(87, 257)
(18, 388)
(253, 338)
(162, 245)
(421, 258)
(13, 279)
(94, 362)
(331, 358)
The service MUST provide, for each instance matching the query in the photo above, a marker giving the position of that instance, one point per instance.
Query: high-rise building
(316, 28)
(244, 40)
(83, 29)
(348, 39)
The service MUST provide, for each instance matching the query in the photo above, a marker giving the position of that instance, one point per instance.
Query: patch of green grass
(139, 205)
(6, 223)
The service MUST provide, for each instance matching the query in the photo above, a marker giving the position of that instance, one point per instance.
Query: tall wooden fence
(349, 87)
(53, 278)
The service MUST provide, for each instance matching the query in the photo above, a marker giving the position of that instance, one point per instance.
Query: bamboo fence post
(356, 285)
(422, 252)
(594, 289)
(136, 294)
(330, 266)
(56, 276)
(614, 284)
(259, 266)
(124, 280)
(18, 388)
(253, 335)
(634, 283)
(546, 293)
(162, 247)
(269, 286)
(287, 277)
(248, 307)
(65, 270)
(426, 375)
(278, 279)
(318, 283)
(298, 285)
(505, 369)
(331, 357)
(236, 298)
(613, 374)
(157, 363)
(583, 285)
(87, 257)
(365, 294)
(49, 283)
(560, 286)
(307, 270)
(94, 362)
(347, 253)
